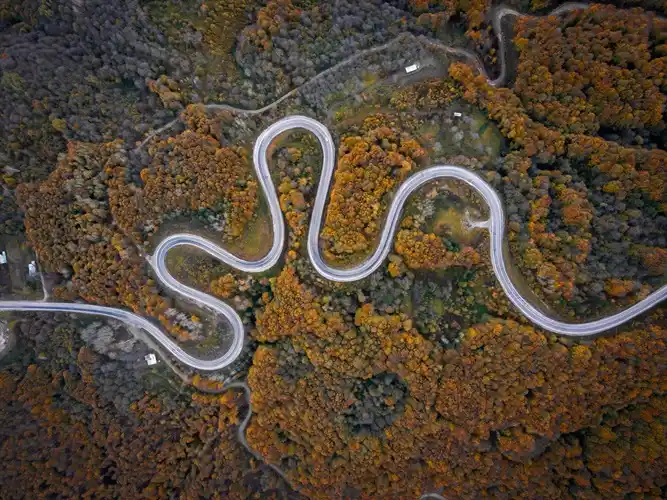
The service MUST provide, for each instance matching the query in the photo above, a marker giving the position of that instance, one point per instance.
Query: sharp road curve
(495, 225)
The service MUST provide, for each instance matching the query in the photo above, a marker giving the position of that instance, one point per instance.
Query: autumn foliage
(369, 167)
(426, 251)
(188, 173)
(68, 439)
(615, 81)
(421, 377)
(506, 382)
(577, 180)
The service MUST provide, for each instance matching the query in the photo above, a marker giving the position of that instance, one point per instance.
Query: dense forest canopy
(126, 121)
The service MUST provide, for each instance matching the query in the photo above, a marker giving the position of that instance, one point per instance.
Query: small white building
(412, 68)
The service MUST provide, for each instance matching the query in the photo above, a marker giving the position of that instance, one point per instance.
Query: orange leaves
(429, 94)
(224, 286)
(474, 11)
(521, 43)
(427, 251)
(578, 91)
(269, 21)
(70, 224)
(516, 444)
(293, 312)
(168, 91)
(655, 259)
(619, 288)
(395, 270)
(504, 107)
(545, 370)
(190, 172)
(543, 251)
(577, 210)
(629, 168)
(506, 380)
(71, 431)
(209, 386)
(636, 436)
(369, 168)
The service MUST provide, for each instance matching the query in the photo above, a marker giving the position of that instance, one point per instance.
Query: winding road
(495, 225)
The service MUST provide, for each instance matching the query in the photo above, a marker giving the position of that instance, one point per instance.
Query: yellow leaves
(189, 171)
(224, 286)
(284, 188)
(612, 187)
(655, 259)
(362, 315)
(471, 335)
(521, 43)
(292, 312)
(59, 124)
(394, 270)
(618, 287)
(311, 316)
(297, 200)
(427, 251)
(429, 94)
(576, 210)
(369, 167)
(580, 354)
(606, 433)
(532, 258)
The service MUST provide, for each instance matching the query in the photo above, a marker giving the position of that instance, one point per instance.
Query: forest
(125, 121)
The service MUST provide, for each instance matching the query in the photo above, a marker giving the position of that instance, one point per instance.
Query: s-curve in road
(495, 225)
